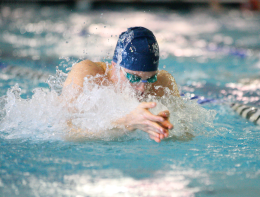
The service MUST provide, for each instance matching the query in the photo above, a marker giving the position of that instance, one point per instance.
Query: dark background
(170, 4)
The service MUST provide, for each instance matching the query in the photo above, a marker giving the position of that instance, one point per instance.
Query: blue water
(204, 52)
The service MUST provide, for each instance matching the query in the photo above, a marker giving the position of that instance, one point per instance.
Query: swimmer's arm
(141, 118)
(157, 126)
(72, 87)
(82, 69)
(77, 134)
(165, 81)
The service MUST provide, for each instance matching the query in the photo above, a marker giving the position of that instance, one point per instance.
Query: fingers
(156, 118)
(160, 127)
(156, 135)
(155, 138)
(153, 133)
(156, 127)
(162, 136)
(147, 105)
(165, 114)
(148, 115)
(153, 118)
(166, 124)
(166, 134)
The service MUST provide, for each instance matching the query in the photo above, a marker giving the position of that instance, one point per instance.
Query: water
(208, 54)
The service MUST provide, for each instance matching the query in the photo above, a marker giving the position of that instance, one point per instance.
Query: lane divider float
(250, 113)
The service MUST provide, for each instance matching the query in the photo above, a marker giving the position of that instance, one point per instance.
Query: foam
(46, 115)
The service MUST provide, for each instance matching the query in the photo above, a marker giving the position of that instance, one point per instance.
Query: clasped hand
(157, 126)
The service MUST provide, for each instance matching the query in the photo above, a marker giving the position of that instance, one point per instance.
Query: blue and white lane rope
(248, 112)
(201, 99)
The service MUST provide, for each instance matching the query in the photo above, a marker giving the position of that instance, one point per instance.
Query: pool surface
(215, 56)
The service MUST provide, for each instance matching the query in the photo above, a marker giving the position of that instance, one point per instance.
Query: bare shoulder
(89, 67)
(82, 69)
(166, 80)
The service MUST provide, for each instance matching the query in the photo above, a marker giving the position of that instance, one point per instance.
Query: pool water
(208, 54)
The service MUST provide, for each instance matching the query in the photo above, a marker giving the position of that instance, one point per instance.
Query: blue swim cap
(137, 50)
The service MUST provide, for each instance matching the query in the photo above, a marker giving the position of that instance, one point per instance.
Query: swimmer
(136, 59)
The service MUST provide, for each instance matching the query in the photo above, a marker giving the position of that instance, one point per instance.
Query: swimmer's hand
(141, 118)
(165, 124)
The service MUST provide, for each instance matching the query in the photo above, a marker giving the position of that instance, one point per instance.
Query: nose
(141, 87)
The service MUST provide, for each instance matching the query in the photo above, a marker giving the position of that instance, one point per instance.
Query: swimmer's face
(139, 87)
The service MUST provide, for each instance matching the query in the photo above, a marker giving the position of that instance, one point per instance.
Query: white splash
(90, 112)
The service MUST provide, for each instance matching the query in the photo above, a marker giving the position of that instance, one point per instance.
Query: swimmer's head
(137, 50)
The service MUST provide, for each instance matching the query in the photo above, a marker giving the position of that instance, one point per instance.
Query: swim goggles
(136, 79)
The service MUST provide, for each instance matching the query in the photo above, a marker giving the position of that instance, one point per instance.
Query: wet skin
(157, 126)
(151, 122)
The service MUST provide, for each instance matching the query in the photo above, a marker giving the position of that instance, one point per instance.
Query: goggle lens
(136, 79)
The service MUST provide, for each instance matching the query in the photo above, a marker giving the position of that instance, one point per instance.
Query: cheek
(122, 77)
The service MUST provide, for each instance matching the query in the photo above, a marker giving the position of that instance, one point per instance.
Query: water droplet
(105, 26)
